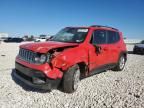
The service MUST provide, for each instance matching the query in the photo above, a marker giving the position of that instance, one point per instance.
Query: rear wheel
(71, 79)
(121, 64)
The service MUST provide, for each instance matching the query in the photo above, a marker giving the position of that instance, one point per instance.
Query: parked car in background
(14, 40)
(70, 55)
(139, 48)
(42, 38)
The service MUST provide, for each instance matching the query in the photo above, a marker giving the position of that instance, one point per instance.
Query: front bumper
(50, 72)
(35, 78)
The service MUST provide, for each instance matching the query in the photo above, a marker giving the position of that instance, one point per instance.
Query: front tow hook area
(38, 80)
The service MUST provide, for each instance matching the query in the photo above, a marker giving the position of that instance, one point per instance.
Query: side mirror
(97, 49)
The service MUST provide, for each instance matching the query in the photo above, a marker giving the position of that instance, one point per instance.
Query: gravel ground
(106, 90)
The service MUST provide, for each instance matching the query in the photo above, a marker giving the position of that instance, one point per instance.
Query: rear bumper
(35, 78)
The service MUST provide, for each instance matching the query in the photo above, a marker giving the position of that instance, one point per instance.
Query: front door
(101, 58)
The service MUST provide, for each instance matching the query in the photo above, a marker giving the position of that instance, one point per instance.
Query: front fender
(66, 60)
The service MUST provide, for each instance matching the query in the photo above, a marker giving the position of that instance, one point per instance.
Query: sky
(35, 17)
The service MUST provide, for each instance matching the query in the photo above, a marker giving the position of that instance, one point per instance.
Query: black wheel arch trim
(123, 53)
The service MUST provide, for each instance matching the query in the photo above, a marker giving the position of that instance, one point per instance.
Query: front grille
(27, 55)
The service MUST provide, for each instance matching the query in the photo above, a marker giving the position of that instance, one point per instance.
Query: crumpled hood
(140, 45)
(44, 47)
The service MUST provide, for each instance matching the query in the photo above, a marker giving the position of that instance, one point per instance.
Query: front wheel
(71, 79)
(121, 64)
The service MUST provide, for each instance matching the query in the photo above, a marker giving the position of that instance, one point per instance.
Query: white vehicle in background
(42, 38)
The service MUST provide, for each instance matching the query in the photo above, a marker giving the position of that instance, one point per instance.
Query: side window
(113, 37)
(99, 37)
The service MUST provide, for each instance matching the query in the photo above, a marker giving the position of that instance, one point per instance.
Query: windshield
(74, 35)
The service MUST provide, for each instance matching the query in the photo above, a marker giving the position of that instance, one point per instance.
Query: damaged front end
(41, 70)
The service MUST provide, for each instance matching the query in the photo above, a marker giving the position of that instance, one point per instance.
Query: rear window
(112, 37)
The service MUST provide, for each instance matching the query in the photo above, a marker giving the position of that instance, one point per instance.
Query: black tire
(121, 64)
(69, 79)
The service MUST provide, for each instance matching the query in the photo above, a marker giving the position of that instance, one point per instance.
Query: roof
(98, 26)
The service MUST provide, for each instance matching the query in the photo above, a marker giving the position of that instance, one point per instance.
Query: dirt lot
(106, 90)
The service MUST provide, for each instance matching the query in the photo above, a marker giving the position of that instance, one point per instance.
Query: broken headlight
(40, 58)
(49, 57)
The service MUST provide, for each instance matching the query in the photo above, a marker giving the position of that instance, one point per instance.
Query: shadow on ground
(131, 52)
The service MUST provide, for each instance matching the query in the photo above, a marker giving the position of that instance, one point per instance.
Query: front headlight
(43, 58)
(40, 58)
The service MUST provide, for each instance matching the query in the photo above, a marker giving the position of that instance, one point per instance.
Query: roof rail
(103, 26)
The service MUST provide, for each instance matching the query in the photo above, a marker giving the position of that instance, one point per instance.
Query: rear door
(113, 40)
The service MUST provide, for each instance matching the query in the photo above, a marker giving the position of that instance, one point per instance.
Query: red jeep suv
(70, 55)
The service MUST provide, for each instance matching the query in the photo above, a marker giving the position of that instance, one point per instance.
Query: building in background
(3, 36)
(132, 41)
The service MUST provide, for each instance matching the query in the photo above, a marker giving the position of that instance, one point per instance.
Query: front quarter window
(74, 35)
